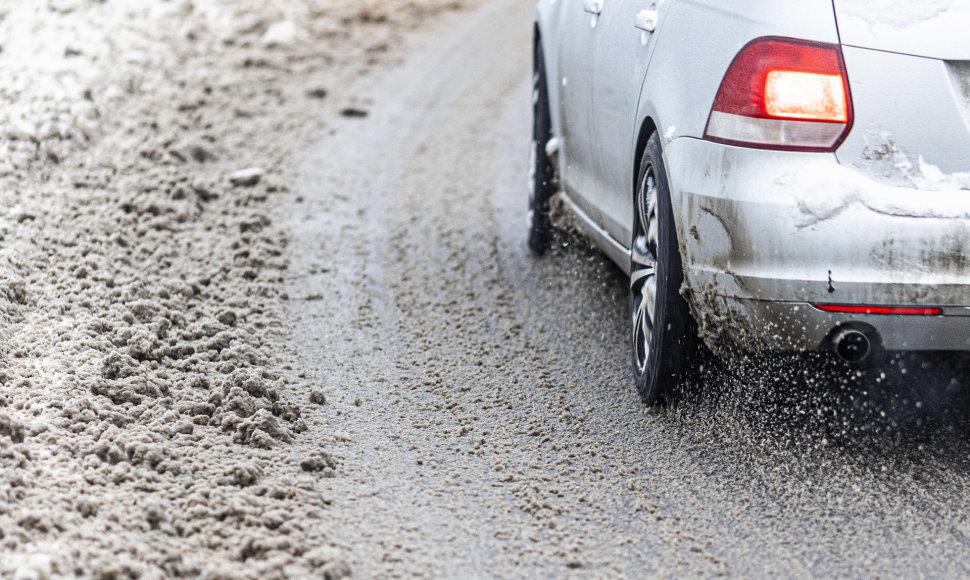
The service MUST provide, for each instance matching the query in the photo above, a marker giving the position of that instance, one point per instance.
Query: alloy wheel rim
(643, 274)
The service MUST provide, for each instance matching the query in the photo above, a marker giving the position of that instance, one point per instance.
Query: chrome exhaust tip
(852, 346)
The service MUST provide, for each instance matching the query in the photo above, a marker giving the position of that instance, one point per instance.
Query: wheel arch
(536, 41)
(545, 30)
(647, 128)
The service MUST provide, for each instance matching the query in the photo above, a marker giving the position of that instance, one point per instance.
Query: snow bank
(147, 393)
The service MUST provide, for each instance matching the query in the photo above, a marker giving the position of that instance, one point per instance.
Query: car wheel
(542, 177)
(664, 339)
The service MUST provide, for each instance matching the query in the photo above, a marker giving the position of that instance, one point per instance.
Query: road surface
(480, 402)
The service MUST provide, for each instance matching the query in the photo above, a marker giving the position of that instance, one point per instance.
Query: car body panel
(678, 99)
(773, 326)
(573, 81)
(936, 29)
(911, 117)
(621, 54)
(674, 93)
(775, 225)
(769, 233)
(547, 31)
(764, 234)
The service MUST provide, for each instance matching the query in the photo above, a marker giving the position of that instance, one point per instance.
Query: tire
(664, 341)
(542, 174)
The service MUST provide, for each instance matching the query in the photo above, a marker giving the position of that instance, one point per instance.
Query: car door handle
(593, 6)
(646, 20)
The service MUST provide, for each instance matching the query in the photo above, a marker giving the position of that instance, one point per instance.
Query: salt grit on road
(148, 402)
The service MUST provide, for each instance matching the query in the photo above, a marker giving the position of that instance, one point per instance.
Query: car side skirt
(612, 248)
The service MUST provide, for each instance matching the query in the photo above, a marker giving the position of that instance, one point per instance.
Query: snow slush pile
(147, 396)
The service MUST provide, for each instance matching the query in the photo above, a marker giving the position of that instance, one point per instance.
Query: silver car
(774, 176)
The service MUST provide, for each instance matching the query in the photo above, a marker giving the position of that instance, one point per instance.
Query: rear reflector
(863, 309)
(782, 93)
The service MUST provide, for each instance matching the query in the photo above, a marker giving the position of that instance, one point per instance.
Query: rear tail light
(886, 310)
(783, 94)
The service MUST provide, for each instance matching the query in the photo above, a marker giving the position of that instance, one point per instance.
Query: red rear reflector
(782, 93)
(862, 309)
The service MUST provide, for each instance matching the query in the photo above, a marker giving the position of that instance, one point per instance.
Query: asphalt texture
(480, 401)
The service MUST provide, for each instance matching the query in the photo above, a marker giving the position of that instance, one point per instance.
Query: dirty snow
(884, 180)
(670, 133)
(932, 28)
(148, 400)
(896, 13)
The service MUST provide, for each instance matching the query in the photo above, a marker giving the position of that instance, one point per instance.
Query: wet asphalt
(480, 401)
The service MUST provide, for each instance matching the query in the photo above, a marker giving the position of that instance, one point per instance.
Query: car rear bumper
(766, 325)
(767, 234)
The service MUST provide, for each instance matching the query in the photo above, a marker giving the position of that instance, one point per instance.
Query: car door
(575, 78)
(623, 41)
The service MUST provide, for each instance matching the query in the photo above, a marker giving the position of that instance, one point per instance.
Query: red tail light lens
(887, 310)
(783, 94)
(801, 95)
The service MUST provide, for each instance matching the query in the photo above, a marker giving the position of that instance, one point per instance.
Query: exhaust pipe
(852, 346)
